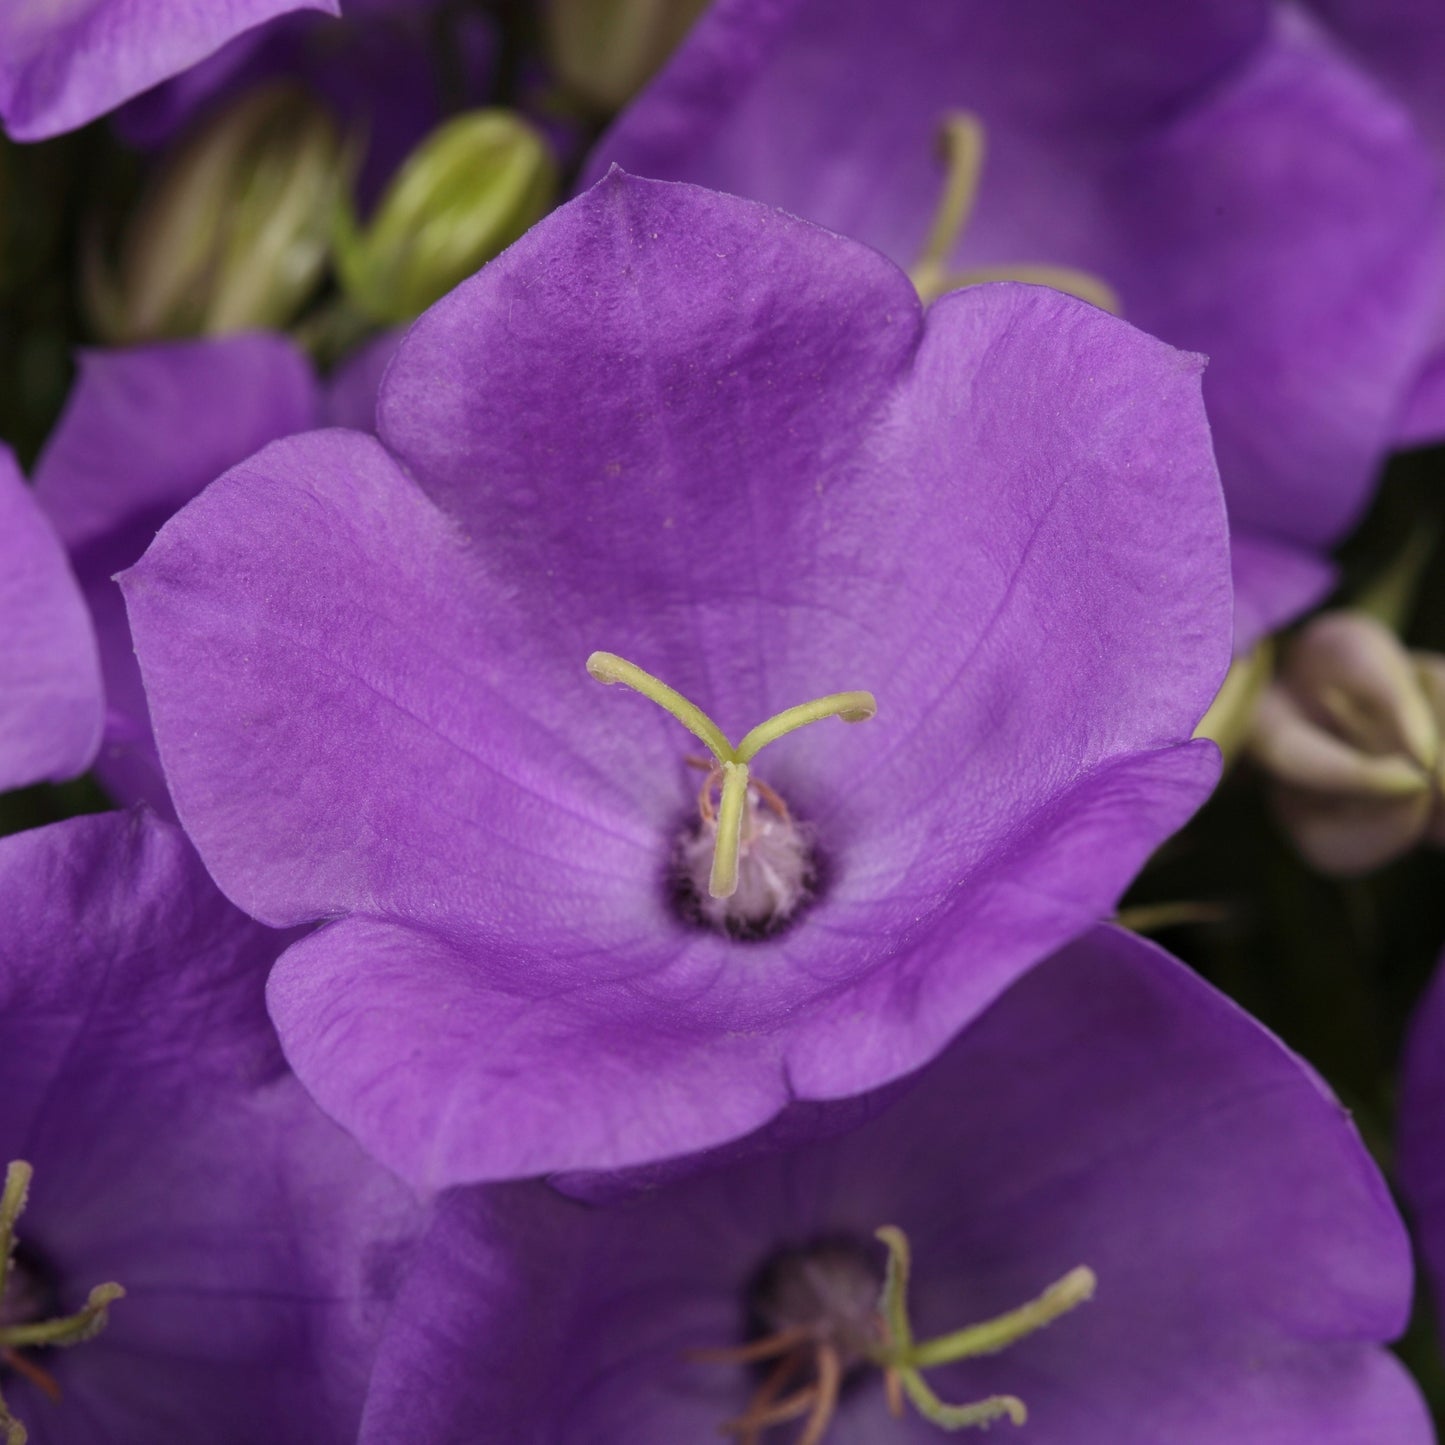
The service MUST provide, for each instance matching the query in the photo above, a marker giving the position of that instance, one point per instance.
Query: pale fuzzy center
(776, 873)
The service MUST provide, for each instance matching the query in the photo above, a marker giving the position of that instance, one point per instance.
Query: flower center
(962, 145)
(831, 1309)
(28, 1302)
(748, 864)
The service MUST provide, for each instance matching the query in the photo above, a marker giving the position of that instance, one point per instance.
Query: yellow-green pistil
(821, 1350)
(732, 762)
(84, 1324)
(904, 1357)
(962, 143)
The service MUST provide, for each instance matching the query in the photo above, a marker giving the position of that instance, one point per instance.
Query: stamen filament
(962, 143)
(42, 1379)
(723, 882)
(766, 1393)
(830, 1380)
(800, 1402)
(765, 1349)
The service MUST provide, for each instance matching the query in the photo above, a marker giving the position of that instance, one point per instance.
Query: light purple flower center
(777, 870)
(748, 866)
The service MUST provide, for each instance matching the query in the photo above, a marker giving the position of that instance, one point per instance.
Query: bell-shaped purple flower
(1225, 176)
(65, 62)
(174, 1154)
(50, 692)
(1201, 1247)
(726, 446)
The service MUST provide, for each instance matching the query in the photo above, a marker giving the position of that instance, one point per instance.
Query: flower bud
(605, 51)
(234, 231)
(1351, 733)
(467, 192)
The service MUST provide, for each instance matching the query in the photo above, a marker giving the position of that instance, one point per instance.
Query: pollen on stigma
(749, 862)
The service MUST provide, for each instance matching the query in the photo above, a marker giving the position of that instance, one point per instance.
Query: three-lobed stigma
(831, 1314)
(740, 813)
(21, 1332)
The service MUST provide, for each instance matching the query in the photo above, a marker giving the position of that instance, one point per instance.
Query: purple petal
(351, 392)
(1423, 423)
(173, 1152)
(1244, 191)
(1401, 41)
(64, 63)
(50, 691)
(143, 432)
(1110, 1109)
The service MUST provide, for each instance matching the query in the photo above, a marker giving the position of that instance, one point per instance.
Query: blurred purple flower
(1237, 183)
(65, 62)
(391, 71)
(1403, 43)
(50, 694)
(174, 1153)
(144, 430)
(727, 445)
(1110, 1111)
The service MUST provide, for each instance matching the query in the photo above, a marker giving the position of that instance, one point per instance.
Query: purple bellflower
(65, 62)
(50, 693)
(172, 1153)
(690, 434)
(1133, 1218)
(1224, 177)
(144, 430)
